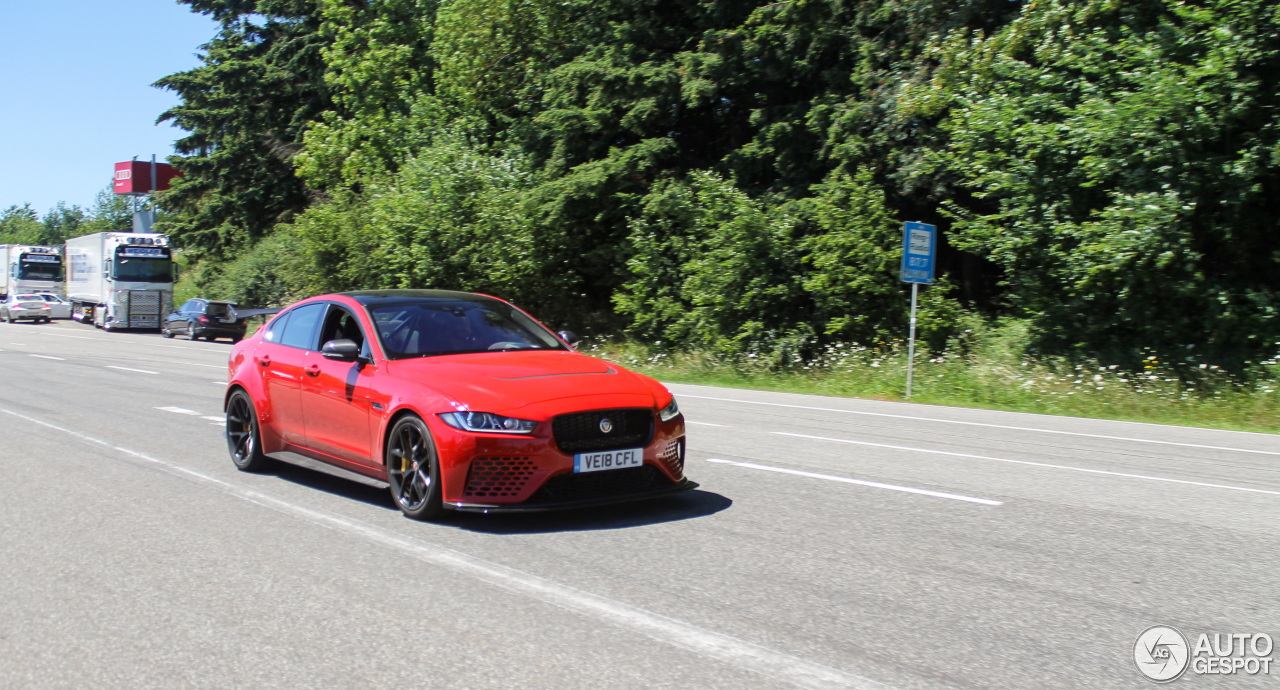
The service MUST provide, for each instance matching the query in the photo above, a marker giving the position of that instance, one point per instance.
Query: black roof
(374, 298)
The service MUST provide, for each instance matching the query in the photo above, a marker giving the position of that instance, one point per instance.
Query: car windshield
(444, 326)
(144, 269)
(40, 271)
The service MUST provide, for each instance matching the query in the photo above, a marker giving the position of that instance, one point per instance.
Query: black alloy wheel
(413, 469)
(244, 443)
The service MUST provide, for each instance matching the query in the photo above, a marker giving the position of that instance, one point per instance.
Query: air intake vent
(600, 485)
(673, 455)
(498, 477)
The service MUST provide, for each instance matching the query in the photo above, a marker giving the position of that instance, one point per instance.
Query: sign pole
(919, 246)
(911, 339)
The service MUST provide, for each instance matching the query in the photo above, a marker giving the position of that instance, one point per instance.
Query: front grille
(673, 455)
(497, 477)
(580, 432)
(569, 486)
(144, 308)
(142, 303)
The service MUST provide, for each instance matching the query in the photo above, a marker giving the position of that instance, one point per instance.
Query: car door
(336, 395)
(282, 355)
(175, 321)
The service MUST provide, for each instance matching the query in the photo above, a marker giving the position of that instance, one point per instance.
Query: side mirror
(342, 350)
(177, 272)
(569, 337)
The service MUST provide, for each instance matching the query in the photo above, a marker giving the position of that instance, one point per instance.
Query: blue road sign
(919, 241)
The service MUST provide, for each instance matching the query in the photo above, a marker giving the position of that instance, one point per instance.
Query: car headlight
(488, 422)
(669, 412)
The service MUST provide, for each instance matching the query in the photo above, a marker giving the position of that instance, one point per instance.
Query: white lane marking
(220, 383)
(179, 410)
(211, 366)
(860, 482)
(992, 426)
(763, 660)
(188, 349)
(59, 359)
(701, 423)
(140, 371)
(63, 335)
(1034, 464)
(213, 418)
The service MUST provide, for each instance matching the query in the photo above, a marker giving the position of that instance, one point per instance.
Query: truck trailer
(30, 269)
(119, 280)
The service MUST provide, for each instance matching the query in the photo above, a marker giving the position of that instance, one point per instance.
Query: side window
(301, 329)
(341, 324)
(275, 328)
(186, 306)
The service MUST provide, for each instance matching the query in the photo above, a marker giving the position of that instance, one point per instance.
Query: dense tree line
(23, 225)
(733, 175)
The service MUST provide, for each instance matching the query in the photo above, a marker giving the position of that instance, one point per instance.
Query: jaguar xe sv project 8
(456, 400)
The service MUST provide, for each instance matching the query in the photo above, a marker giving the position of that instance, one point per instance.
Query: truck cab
(120, 280)
(32, 269)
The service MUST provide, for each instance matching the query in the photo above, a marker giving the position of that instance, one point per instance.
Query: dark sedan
(203, 318)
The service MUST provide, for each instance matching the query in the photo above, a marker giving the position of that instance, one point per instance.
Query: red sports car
(456, 400)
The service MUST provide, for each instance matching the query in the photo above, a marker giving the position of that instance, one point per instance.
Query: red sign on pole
(134, 177)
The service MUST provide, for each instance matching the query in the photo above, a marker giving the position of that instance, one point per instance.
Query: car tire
(244, 442)
(413, 469)
(191, 332)
(164, 331)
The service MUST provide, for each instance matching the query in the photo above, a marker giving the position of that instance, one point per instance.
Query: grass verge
(991, 371)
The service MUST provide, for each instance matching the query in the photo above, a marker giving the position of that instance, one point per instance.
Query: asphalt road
(834, 543)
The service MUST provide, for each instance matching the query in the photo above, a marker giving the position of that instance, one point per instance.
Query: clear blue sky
(76, 94)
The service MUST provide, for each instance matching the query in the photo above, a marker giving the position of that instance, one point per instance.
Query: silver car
(59, 308)
(16, 307)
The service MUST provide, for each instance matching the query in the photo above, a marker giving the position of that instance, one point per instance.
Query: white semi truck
(119, 280)
(30, 269)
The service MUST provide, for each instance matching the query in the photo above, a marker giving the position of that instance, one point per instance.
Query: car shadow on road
(683, 506)
(315, 475)
(672, 508)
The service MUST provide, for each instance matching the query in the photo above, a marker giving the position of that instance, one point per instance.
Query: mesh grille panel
(144, 308)
(673, 455)
(497, 477)
(582, 431)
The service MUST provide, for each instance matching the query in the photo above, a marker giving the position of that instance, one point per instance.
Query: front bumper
(539, 502)
(490, 472)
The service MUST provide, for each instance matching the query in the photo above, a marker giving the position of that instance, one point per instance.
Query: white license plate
(608, 460)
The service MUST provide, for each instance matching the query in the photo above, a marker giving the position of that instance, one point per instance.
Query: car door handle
(313, 370)
(263, 361)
